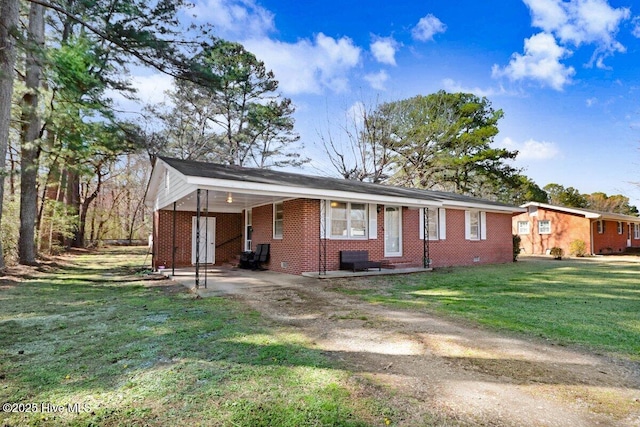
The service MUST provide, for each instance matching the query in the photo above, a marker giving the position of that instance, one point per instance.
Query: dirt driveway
(441, 372)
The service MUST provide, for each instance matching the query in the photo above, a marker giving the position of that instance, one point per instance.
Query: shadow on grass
(68, 336)
(587, 303)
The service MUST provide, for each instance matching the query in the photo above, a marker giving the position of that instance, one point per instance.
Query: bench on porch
(357, 260)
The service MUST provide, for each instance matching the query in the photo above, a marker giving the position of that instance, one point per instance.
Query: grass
(592, 304)
(131, 352)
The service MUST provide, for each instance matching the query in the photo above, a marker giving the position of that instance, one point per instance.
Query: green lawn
(109, 349)
(594, 304)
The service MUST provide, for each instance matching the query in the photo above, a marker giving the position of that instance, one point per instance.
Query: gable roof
(235, 178)
(587, 213)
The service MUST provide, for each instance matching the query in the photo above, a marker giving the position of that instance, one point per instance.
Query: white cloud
(427, 27)
(234, 18)
(308, 66)
(451, 85)
(591, 102)
(356, 113)
(384, 50)
(377, 80)
(151, 89)
(540, 62)
(636, 27)
(579, 22)
(532, 149)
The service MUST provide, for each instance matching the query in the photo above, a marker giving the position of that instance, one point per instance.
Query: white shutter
(442, 224)
(421, 223)
(467, 225)
(483, 225)
(324, 219)
(373, 221)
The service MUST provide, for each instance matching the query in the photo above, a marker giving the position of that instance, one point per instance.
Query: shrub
(557, 252)
(516, 247)
(578, 248)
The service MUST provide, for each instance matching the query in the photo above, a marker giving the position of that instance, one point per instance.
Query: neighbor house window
(544, 227)
(348, 220)
(600, 227)
(636, 231)
(620, 228)
(523, 227)
(278, 219)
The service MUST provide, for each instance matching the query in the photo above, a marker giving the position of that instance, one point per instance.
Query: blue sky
(565, 73)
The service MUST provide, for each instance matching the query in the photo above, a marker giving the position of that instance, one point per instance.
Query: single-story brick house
(308, 220)
(545, 226)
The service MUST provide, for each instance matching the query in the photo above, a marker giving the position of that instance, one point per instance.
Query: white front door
(207, 240)
(392, 231)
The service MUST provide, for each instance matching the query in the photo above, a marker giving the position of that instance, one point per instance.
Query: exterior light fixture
(229, 198)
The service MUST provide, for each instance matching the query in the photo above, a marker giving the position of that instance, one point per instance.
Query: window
(348, 220)
(544, 227)
(248, 229)
(600, 227)
(278, 219)
(523, 227)
(620, 228)
(636, 231)
(437, 218)
(475, 225)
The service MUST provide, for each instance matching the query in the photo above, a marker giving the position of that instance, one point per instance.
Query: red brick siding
(456, 250)
(610, 241)
(298, 250)
(565, 228)
(228, 226)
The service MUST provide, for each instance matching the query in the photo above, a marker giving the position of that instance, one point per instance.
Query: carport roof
(192, 168)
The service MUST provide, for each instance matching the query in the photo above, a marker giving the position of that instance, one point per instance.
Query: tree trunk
(84, 210)
(30, 150)
(8, 23)
(73, 203)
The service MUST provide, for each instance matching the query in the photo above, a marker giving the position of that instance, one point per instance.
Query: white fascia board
(483, 207)
(304, 193)
(151, 193)
(590, 215)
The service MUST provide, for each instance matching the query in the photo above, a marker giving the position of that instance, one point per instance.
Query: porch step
(399, 263)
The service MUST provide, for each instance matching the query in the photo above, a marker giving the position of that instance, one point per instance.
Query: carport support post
(206, 238)
(173, 243)
(322, 249)
(198, 239)
(425, 243)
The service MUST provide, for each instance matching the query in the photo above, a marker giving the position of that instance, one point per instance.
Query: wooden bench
(357, 260)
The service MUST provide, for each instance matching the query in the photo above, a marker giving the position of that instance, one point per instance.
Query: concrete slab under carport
(224, 280)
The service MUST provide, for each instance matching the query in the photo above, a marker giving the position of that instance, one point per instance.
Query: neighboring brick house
(308, 220)
(545, 226)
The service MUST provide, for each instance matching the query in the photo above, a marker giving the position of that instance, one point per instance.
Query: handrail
(229, 241)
